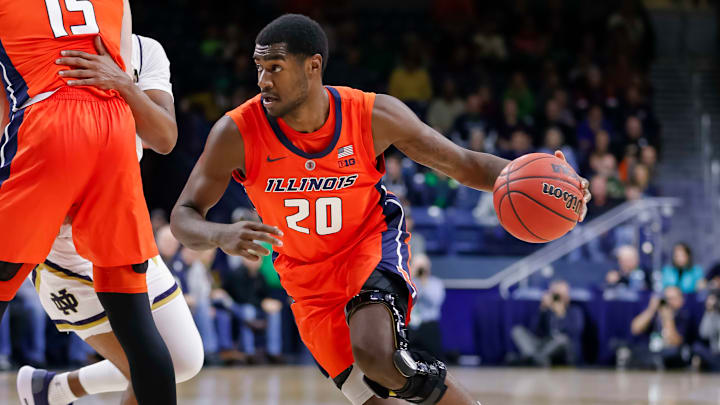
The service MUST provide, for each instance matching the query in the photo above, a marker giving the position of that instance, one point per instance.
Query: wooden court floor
(303, 385)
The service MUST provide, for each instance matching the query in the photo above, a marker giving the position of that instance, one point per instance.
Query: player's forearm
(192, 230)
(154, 124)
(478, 170)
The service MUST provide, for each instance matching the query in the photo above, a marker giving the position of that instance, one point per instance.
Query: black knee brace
(425, 375)
(387, 299)
(9, 270)
(425, 378)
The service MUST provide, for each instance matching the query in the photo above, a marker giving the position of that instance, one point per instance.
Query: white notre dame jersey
(151, 70)
(64, 281)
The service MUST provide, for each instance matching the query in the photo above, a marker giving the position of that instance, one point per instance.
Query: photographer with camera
(662, 329)
(424, 331)
(708, 354)
(555, 337)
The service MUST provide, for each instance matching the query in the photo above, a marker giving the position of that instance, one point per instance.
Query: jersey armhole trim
(251, 162)
(377, 162)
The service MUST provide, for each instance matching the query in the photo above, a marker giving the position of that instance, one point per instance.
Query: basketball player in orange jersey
(310, 158)
(70, 152)
(66, 278)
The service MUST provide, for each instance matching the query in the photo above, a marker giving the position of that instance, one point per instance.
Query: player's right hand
(240, 239)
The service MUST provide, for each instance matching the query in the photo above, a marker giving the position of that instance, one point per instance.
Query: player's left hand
(87, 69)
(584, 187)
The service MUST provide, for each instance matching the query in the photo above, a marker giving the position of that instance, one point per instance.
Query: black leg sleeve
(151, 368)
(3, 307)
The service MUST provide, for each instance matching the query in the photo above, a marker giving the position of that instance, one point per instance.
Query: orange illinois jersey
(33, 32)
(324, 191)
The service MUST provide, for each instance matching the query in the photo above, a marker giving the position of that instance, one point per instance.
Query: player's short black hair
(302, 34)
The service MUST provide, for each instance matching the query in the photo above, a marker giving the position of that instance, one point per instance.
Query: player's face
(281, 78)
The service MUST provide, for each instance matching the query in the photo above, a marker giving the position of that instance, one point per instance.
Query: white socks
(59, 392)
(102, 376)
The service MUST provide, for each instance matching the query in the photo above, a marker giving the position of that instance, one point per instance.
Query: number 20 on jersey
(328, 215)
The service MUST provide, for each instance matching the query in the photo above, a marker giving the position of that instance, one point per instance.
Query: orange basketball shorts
(73, 155)
(322, 290)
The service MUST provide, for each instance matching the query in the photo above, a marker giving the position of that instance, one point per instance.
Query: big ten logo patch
(346, 162)
(572, 202)
(64, 302)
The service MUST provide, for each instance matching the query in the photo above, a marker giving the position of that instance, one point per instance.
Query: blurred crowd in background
(507, 78)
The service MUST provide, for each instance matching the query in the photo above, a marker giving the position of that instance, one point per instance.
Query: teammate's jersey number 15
(56, 18)
(328, 215)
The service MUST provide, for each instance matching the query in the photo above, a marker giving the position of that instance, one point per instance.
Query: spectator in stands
(560, 96)
(630, 32)
(490, 44)
(682, 272)
(158, 219)
(635, 104)
(641, 178)
(247, 297)
(707, 352)
(509, 123)
(167, 245)
(475, 120)
(589, 127)
(519, 91)
(555, 140)
(549, 82)
(417, 242)
(648, 157)
(410, 82)
(713, 277)
(606, 165)
(425, 332)
(349, 70)
(478, 141)
(636, 137)
(553, 119)
(395, 179)
(601, 202)
(436, 189)
(529, 43)
(555, 335)
(444, 110)
(628, 273)
(520, 144)
(662, 329)
(591, 91)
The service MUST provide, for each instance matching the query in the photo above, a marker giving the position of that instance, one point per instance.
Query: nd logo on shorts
(64, 302)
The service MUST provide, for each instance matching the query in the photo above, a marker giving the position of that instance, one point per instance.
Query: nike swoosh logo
(275, 160)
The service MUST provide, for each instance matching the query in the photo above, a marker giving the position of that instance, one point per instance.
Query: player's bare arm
(153, 110)
(393, 123)
(224, 153)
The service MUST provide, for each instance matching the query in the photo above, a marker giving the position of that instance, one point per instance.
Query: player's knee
(9, 270)
(188, 365)
(376, 361)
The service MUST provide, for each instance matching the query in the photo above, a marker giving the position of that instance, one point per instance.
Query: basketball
(537, 198)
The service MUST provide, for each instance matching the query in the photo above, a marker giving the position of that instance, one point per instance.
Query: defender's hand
(99, 70)
(584, 187)
(239, 239)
